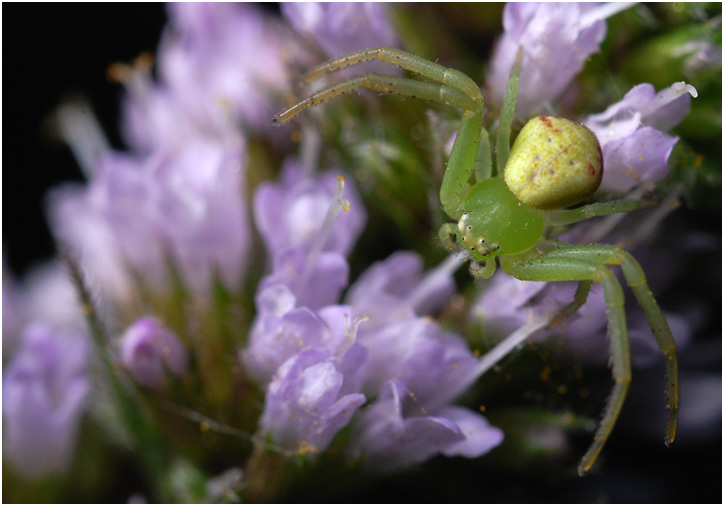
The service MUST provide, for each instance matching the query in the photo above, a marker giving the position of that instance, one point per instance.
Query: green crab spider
(554, 163)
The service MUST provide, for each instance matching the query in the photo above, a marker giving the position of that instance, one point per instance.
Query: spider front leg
(589, 263)
(383, 84)
(400, 58)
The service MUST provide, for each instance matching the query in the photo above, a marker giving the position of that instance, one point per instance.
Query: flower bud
(148, 349)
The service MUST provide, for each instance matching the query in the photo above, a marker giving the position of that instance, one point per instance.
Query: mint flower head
(44, 392)
(242, 321)
(321, 361)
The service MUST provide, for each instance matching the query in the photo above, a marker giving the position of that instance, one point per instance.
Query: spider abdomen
(554, 163)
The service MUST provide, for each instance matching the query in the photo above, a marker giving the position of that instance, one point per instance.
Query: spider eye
(554, 162)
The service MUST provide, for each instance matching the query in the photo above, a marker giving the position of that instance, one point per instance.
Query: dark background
(52, 51)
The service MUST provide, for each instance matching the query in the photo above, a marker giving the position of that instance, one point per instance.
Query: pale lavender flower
(340, 28)
(45, 294)
(556, 38)
(430, 369)
(702, 56)
(79, 226)
(224, 63)
(49, 296)
(44, 390)
(389, 440)
(631, 132)
(148, 350)
(314, 282)
(432, 364)
(282, 329)
(305, 403)
(137, 211)
(152, 116)
(291, 214)
(395, 289)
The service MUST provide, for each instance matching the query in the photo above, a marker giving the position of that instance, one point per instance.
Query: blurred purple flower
(305, 405)
(631, 132)
(187, 203)
(49, 296)
(152, 116)
(224, 63)
(340, 28)
(556, 39)
(148, 349)
(45, 294)
(44, 390)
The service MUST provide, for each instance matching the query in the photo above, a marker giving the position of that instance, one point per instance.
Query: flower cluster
(224, 273)
(322, 360)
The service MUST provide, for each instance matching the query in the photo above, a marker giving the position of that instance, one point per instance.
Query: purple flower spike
(304, 407)
(341, 28)
(44, 390)
(635, 149)
(149, 349)
(557, 39)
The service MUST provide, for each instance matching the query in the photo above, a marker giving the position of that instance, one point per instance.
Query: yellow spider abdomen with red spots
(554, 163)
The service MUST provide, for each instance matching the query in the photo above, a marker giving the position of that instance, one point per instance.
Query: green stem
(133, 413)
